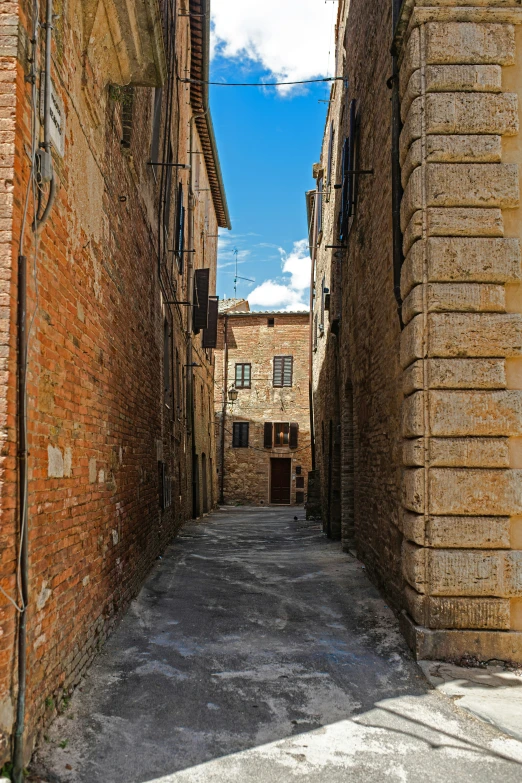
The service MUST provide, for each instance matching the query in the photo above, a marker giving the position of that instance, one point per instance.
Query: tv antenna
(237, 277)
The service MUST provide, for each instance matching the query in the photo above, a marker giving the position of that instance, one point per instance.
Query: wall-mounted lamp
(233, 394)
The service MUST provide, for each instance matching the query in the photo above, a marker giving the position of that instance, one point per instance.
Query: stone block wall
(460, 89)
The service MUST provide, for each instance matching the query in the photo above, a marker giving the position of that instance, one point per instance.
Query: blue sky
(267, 144)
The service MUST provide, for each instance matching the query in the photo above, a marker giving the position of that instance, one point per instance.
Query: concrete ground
(257, 652)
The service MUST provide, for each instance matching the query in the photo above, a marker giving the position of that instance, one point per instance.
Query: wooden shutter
(210, 333)
(268, 435)
(200, 309)
(278, 370)
(244, 434)
(288, 370)
(240, 434)
(294, 432)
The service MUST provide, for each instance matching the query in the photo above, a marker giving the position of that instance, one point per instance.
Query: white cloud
(291, 295)
(290, 38)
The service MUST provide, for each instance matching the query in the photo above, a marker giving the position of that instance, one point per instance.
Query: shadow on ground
(258, 651)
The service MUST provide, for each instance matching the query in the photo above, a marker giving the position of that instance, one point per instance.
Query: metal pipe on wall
(224, 412)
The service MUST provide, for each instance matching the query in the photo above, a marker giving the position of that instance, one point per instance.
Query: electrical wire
(263, 84)
(31, 190)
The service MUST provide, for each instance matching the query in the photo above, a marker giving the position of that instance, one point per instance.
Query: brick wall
(251, 340)
(99, 418)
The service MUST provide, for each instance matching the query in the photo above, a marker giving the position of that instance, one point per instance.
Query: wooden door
(280, 481)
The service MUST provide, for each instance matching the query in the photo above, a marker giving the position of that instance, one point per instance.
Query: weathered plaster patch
(43, 596)
(92, 470)
(67, 462)
(54, 462)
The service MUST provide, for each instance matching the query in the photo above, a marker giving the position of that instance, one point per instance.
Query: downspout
(19, 747)
(224, 411)
(190, 298)
(313, 254)
(397, 192)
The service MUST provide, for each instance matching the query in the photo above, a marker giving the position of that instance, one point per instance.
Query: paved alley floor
(257, 652)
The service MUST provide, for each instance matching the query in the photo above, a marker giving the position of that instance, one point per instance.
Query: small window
(299, 482)
(283, 370)
(243, 376)
(180, 229)
(298, 470)
(240, 434)
(168, 192)
(127, 111)
(270, 322)
(319, 205)
(156, 126)
(281, 433)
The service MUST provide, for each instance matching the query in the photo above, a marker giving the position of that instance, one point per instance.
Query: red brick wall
(98, 420)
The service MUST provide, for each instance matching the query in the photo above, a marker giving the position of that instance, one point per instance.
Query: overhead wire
(263, 84)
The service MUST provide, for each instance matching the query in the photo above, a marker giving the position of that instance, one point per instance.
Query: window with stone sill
(243, 376)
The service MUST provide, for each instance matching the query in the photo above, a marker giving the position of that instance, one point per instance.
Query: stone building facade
(262, 407)
(119, 368)
(417, 315)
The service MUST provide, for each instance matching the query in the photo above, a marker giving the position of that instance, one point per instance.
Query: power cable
(263, 84)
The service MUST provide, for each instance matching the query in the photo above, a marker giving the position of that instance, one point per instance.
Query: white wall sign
(57, 124)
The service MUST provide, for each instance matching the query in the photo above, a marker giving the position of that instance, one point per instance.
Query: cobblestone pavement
(258, 652)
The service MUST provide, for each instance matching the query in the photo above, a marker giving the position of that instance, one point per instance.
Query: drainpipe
(313, 255)
(396, 127)
(224, 411)
(46, 174)
(190, 298)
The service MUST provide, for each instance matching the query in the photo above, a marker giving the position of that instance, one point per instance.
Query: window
(240, 434)
(319, 205)
(168, 192)
(299, 482)
(180, 229)
(167, 377)
(330, 155)
(156, 127)
(283, 370)
(243, 375)
(127, 110)
(281, 433)
(270, 322)
(298, 470)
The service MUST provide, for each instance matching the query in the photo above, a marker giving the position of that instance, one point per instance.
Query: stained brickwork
(111, 386)
(428, 413)
(255, 339)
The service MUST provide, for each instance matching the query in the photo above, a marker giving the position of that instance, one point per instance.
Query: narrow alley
(258, 651)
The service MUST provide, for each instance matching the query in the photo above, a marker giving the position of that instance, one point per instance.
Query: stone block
(462, 259)
(463, 78)
(413, 377)
(413, 490)
(469, 42)
(451, 645)
(479, 613)
(454, 297)
(413, 415)
(453, 149)
(455, 113)
(469, 452)
(472, 573)
(466, 373)
(462, 221)
(473, 412)
(471, 492)
(413, 527)
(413, 452)
(470, 334)
(462, 185)
(460, 112)
(465, 297)
(467, 532)
(412, 341)
(411, 60)
(414, 565)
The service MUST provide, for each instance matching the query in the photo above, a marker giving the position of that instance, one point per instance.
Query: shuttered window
(243, 376)
(180, 229)
(210, 333)
(240, 434)
(283, 370)
(294, 435)
(268, 434)
(201, 289)
(281, 433)
(156, 126)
